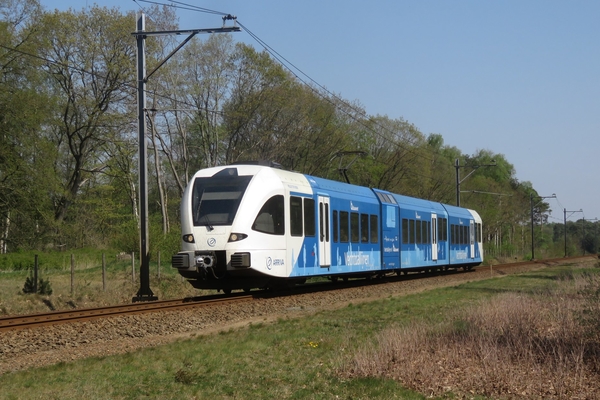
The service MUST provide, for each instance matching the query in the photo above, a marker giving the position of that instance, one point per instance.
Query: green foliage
(43, 286)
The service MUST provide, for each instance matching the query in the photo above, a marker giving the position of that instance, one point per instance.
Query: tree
(24, 154)
(89, 66)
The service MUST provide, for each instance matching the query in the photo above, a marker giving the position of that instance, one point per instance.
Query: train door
(324, 235)
(434, 249)
(472, 238)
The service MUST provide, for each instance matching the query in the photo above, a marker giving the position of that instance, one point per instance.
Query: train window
(335, 226)
(327, 222)
(412, 232)
(354, 228)
(429, 235)
(480, 234)
(442, 229)
(404, 231)
(296, 216)
(418, 232)
(453, 234)
(270, 218)
(321, 222)
(390, 217)
(215, 201)
(309, 217)
(324, 222)
(374, 229)
(344, 229)
(364, 228)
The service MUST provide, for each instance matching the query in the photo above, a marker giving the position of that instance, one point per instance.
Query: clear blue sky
(516, 77)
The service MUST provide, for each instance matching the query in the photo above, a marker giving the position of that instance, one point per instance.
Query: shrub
(43, 286)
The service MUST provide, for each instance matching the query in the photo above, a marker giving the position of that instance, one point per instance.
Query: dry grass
(511, 346)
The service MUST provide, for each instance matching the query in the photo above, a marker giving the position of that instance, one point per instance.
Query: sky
(519, 78)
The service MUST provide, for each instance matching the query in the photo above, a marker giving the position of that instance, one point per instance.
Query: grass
(351, 353)
(87, 289)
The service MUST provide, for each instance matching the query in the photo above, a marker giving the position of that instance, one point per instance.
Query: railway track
(79, 315)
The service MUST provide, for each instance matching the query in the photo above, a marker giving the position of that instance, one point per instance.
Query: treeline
(68, 133)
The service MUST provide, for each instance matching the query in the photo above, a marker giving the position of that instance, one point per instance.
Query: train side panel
(420, 242)
(346, 238)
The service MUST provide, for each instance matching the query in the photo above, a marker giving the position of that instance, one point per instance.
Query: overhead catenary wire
(292, 68)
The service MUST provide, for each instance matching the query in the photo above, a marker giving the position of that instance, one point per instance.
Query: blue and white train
(254, 226)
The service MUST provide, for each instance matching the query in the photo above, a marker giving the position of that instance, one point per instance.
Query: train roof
(317, 183)
(413, 202)
(340, 187)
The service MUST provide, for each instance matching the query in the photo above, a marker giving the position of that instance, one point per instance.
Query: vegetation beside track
(321, 356)
(87, 288)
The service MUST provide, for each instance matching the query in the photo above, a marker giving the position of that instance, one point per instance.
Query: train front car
(233, 227)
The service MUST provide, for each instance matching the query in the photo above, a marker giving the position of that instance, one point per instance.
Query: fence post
(35, 274)
(103, 272)
(72, 274)
(133, 267)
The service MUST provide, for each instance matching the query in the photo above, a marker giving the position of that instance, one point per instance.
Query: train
(256, 225)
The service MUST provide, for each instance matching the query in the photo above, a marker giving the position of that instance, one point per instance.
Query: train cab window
(344, 228)
(309, 217)
(270, 218)
(354, 228)
(215, 200)
(364, 228)
(296, 226)
(374, 233)
(335, 226)
(479, 234)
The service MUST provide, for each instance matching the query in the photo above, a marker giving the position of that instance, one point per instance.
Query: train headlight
(188, 238)
(236, 237)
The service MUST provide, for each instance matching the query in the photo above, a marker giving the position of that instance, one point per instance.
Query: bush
(43, 286)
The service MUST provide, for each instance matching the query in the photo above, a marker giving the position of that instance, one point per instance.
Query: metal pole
(72, 274)
(565, 210)
(35, 274)
(457, 183)
(144, 293)
(583, 234)
(532, 238)
(103, 272)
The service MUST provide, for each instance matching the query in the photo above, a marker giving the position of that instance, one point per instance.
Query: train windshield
(215, 200)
